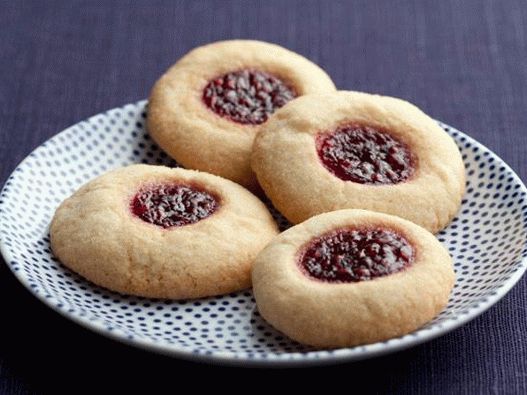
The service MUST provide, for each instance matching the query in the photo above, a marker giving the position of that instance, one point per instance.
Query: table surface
(463, 62)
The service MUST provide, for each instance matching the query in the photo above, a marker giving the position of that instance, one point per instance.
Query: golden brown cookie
(158, 232)
(352, 277)
(206, 109)
(321, 153)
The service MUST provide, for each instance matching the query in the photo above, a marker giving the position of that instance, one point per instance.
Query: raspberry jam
(173, 205)
(351, 255)
(365, 155)
(247, 96)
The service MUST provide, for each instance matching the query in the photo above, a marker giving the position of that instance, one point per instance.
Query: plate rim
(233, 358)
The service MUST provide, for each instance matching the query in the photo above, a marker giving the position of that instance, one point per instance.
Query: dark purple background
(463, 62)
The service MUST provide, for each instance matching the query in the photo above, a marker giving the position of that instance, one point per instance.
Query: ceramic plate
(487, 241)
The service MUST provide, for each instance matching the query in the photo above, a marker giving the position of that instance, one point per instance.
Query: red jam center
(353, 255)
(247, 96)
(173, 205)
(365, 155)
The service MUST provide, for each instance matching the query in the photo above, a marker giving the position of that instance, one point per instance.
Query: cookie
(206, 109)
(322, 153)
(352, 277)
(158, 232)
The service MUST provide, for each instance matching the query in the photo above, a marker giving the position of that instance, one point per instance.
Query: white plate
(487, 241)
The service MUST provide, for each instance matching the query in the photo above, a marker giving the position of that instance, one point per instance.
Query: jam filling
(365, 155)
(173, 205)
(352, 255)
(247, 96)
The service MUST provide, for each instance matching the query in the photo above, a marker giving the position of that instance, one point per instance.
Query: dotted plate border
(488, 240)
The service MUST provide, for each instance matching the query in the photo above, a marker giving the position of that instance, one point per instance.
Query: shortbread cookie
(206, 109)
(165, 233)
(352, 277)
(354, 150)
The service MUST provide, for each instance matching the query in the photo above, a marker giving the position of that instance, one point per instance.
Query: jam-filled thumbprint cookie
(352, 277)
(355, 150)
(158, 232)
(206, 109)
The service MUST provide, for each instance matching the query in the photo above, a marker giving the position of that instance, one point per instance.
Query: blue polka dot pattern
(487, 241)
